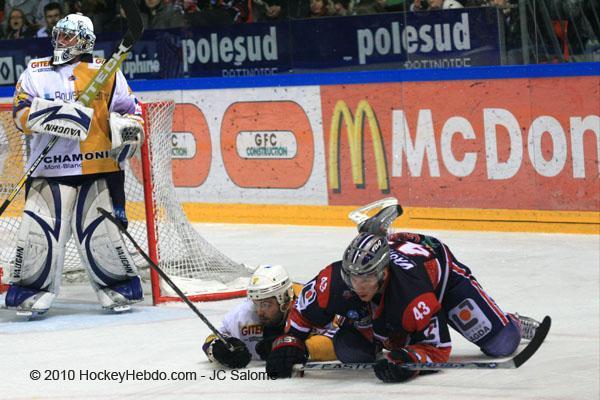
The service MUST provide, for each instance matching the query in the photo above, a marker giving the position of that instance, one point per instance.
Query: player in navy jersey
(397, 292)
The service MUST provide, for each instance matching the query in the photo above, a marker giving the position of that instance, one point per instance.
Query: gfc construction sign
(461, 144)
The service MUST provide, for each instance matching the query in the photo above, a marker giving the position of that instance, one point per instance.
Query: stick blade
(534, 345)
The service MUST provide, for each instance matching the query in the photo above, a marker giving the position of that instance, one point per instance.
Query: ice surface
(534, 274)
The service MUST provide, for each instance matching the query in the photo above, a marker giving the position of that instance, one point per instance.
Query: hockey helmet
(271, 281)
(367, 254)
(71, 36)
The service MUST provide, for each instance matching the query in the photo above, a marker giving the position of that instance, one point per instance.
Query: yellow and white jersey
(66, 82)
(243, 323)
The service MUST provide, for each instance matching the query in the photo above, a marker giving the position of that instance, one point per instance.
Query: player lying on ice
(399, 293)
(253, 325)
(83, 171)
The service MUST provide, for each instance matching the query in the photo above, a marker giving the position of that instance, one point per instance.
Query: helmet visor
(64, 38)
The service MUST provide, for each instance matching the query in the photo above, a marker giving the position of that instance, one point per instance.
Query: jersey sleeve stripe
(501, 316)
(299, 327)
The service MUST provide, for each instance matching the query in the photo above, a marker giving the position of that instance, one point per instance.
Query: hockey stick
(134, 31)
(514, 362)
(165, 277)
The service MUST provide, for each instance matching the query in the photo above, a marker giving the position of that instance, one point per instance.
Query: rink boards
(498, 148)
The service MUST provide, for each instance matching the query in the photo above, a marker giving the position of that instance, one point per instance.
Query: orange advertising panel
(191, 142)
(190, 147)
(267, 144)
(519, 144)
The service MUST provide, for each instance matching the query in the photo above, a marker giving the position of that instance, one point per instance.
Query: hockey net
(157, 220)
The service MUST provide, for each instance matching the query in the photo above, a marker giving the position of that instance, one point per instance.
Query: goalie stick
(135, 28)
(165, 277)
(512, 363)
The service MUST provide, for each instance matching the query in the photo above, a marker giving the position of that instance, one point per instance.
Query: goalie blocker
(55, 117)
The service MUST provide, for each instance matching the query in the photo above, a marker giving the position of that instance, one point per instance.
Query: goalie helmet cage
(157, 220)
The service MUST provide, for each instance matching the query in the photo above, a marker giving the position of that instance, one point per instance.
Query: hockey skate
(28, 303)
(379, 223)
(527, 325)
(118, 298)
(114, 301)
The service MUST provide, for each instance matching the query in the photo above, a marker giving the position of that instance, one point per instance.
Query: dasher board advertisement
(436, 39)
(431, 39)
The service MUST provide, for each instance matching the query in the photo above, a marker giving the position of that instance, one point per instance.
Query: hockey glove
(127, 134)
(287, 350)
(263, 348)
(216, 351)
(55, 117)
(390, 369)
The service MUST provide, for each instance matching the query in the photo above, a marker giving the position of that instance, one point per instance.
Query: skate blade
(119, 309)
(30, 314)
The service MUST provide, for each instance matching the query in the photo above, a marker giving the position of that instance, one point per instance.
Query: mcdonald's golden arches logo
(355, 129)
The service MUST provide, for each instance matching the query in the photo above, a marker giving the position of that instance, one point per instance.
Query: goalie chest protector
(70, 157)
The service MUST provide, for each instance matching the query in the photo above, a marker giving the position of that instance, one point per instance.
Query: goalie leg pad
(112, 272)
(45, 228)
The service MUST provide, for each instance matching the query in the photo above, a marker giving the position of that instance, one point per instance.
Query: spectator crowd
(574, 22)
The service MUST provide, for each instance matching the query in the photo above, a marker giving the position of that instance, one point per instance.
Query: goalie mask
(367, 254)
(73, 35)
(271, 281)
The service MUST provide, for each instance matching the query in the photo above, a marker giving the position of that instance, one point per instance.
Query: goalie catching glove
(216, 351)
(55, 117)
(127, 134)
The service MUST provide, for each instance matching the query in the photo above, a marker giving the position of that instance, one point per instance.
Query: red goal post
(157, 220)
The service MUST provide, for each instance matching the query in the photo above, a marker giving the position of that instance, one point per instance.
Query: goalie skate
(30, 314)
(118, 298)
(118, 309)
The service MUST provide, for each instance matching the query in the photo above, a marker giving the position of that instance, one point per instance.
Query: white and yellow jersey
(66, 82)
(243, 323)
